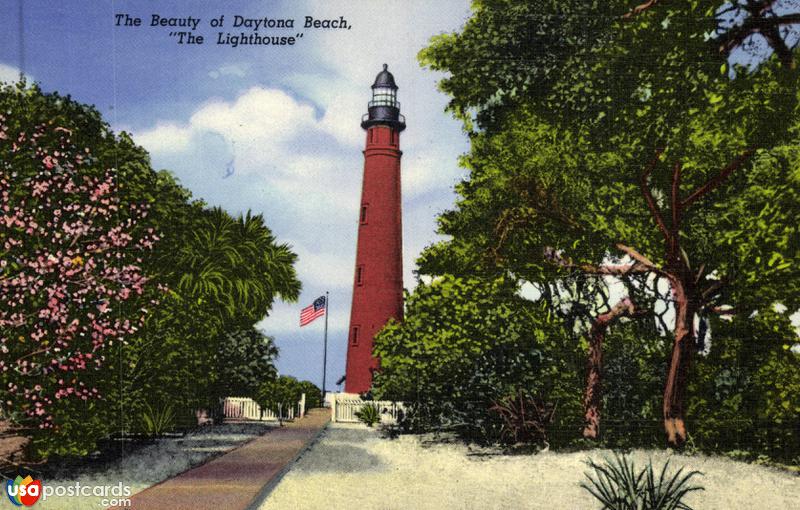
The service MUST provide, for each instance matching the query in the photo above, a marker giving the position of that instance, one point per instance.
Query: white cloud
(336, 271)
(166, 138)
(340, 121)
(277, 163)
(295, 146)
(260, 118)
(433, 169)
(237, 70)
(10, 74)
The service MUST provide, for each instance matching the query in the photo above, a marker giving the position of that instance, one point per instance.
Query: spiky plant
(159, 420)
(369, 414)
(618, 486)
(525, 418)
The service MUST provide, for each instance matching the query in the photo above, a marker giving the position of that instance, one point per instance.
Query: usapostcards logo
(24, 491)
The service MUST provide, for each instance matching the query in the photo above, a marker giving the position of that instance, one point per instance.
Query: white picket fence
(240, 408)
(344, 407)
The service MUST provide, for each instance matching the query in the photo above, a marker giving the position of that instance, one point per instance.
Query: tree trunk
(682, 348)
(593, 395)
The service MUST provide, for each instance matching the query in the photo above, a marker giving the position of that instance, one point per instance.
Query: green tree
(464, 345)
(313, 394)
(279, 395)
(158, 279)
(638, 155)
(235, 266)
(245, 359)
(745, 394)
(221, 275)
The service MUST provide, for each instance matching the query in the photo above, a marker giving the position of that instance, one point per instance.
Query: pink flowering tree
(118, 291)
(71, 253)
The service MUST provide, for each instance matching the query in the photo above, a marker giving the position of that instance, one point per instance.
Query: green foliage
(369, 414)
(569, 136)
(745, 394)
(157, 421)
(280, 395)
(517, 47)
(313, 394)
(78, 426)
(245, 359)
(220, 275)
(633, 378)
(234, 266)
(211, 277)
(581, 113)
(465, 344)
(525, 418)
(618, 486)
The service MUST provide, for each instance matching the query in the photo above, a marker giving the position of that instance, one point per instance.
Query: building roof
(384, 79)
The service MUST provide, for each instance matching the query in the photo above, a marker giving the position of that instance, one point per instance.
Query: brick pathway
(239, 478)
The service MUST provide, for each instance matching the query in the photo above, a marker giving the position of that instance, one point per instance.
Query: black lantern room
(384, 109)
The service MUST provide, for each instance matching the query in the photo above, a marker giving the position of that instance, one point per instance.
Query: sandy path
(352, 467)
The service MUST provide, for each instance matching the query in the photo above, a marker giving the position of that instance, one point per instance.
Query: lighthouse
(378, 279)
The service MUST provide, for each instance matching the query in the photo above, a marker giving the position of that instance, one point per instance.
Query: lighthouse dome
(384, 79)
(384, 109)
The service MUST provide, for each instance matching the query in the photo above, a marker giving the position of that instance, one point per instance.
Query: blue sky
(283, 120)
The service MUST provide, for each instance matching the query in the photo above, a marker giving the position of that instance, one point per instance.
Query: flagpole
(325, 346)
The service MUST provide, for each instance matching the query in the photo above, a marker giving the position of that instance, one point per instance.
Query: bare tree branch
(700, 272)
(676, 198)
(591, 269)
(645, 264)
(640, 9)
(718, 179)
(655, 212)
(674, 233)
(712, 289)
(767, 26)
(773, 36)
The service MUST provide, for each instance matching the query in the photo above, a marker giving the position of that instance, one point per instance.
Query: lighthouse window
(354, 336)
(363, 217)
(360, 275)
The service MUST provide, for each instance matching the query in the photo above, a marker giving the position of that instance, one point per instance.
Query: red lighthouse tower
(378, 283)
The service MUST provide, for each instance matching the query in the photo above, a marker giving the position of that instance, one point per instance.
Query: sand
(354, 467)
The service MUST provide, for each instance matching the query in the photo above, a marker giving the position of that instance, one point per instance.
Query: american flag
(313, 311)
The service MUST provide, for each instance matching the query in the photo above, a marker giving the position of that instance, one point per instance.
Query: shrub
(313, 394)
(525, 418)
(618, 486)
(745, 393)
(117, 288)
(279, 395)
(369, 414)
(245, 359)
(73, 286)
(159, 420)
(464, 345)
